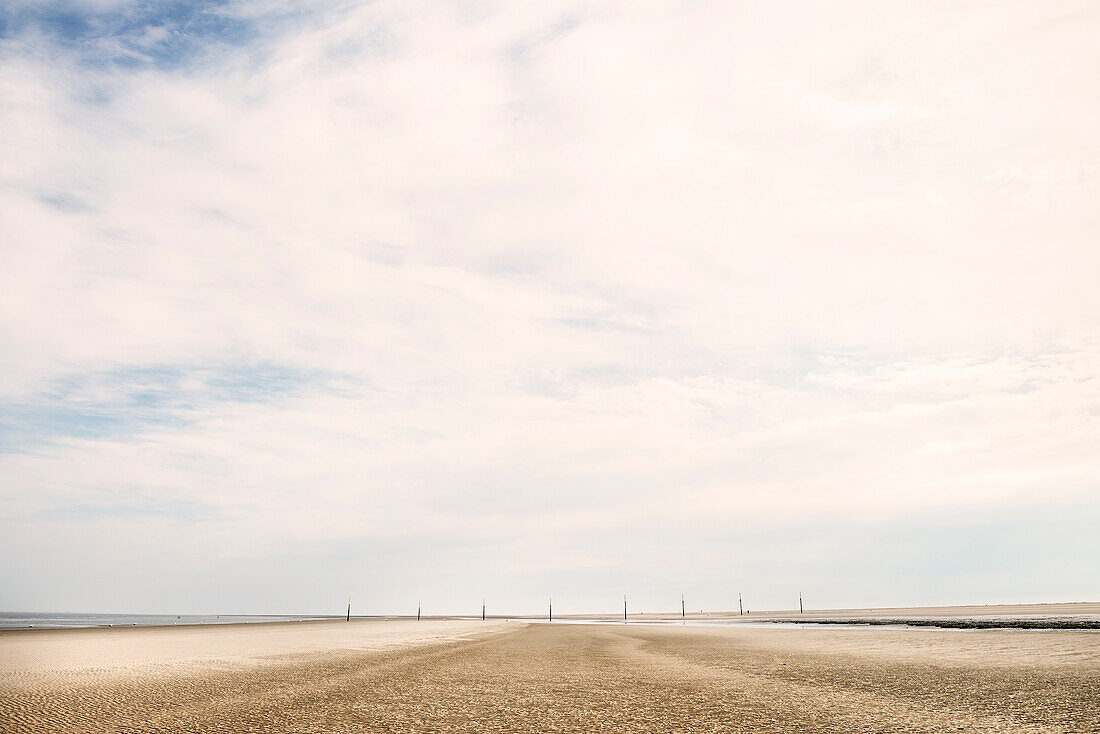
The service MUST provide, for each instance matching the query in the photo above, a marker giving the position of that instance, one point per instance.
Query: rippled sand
(496, 676)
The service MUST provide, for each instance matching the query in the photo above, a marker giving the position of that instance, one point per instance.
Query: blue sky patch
(64, 202)
(119, 403)
(162, 35)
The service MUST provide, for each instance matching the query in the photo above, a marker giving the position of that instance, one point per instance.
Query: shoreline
(1052, 615)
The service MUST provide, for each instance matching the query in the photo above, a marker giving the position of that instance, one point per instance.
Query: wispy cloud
(140, 35)
(515, 296)
(124, 402)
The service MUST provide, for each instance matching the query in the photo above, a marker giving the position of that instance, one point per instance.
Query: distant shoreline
(1053, 616)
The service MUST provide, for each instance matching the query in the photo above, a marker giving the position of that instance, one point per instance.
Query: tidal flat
(473, 676)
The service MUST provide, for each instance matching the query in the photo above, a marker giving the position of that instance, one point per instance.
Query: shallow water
(36, 620)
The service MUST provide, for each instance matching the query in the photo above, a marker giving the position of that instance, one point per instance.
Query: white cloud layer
(578, 298)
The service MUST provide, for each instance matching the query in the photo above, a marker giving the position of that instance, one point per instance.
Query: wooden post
(551, 618)
(417, 610)
(482, 610)
(624, 608)
(739, 604)
(348, 619)
(683, 613)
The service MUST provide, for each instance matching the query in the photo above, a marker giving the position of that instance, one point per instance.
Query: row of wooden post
(550, 615)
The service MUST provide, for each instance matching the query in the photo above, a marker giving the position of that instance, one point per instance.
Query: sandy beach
(400, 676)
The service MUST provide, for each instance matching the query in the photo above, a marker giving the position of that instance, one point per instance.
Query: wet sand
(496, 676)
(1064, 610)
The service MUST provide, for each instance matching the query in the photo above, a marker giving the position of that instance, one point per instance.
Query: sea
(37, 620)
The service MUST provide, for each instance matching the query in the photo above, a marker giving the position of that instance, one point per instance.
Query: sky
(440, 301)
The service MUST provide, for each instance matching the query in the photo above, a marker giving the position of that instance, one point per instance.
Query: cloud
(518, 291)
(125, 402)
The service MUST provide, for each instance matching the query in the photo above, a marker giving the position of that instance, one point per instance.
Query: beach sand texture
(399, 676)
